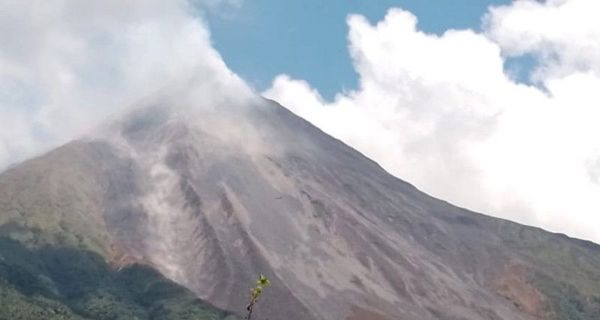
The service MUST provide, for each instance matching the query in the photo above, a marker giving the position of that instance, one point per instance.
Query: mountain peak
(213, 196)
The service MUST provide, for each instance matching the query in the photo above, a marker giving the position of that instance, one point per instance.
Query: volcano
(201, 198)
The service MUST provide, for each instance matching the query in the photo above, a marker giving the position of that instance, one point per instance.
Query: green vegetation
(566, 301)
(566, 271)
(54, 245)
(256, 292)
(52, 283)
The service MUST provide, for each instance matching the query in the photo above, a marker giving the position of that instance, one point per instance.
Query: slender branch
(255, 293)
(249, 308)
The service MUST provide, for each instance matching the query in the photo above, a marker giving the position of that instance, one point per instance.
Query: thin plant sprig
(255, 294)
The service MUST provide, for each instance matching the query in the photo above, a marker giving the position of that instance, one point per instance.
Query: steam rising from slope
(65, 65)
(439, 111)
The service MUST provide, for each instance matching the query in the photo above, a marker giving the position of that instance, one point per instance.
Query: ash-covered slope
(211, 196)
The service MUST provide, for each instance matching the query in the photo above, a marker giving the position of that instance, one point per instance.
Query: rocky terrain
(211, 196)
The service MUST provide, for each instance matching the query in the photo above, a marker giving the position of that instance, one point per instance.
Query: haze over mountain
(212, 193)
(485, 115)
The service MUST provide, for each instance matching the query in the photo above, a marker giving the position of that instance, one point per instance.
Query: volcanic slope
(213, 195)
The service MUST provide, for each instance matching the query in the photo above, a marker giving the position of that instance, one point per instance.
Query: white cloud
(440, 112)
(564, 34)
(65, 65)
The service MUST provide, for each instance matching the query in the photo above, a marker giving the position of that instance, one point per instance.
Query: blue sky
(451, 112)
(307, 39)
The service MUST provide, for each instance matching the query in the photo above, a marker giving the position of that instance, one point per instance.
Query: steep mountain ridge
(57, 256)
(213, 195)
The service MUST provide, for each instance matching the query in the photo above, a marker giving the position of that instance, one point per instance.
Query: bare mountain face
(212, 197)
